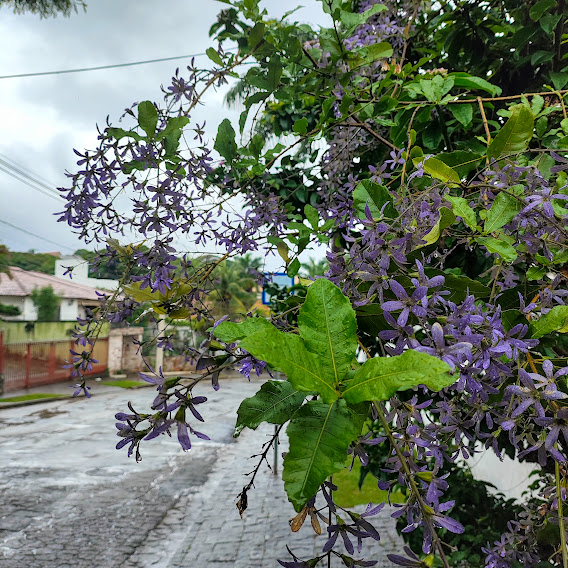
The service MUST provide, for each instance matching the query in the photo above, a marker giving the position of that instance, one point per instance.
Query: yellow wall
(15, 331)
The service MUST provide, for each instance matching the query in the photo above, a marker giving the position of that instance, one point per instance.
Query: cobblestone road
(69, 500)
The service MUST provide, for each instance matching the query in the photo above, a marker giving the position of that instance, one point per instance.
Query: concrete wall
(15, 331)
(122, 352)
(510, 477)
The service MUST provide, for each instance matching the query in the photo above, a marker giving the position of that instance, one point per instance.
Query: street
(70, 500)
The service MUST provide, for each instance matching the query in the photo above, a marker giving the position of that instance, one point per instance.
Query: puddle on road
(48, 413)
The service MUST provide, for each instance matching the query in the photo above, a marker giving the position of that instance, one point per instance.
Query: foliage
(38, 262)
(45, 8)
(7, 310)
(47, 303)
(438, 183)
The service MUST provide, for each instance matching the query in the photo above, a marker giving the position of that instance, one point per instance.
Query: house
(16, 290)
(81, 273)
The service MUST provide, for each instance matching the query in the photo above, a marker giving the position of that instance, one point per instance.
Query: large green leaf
(467, 81)
(376, 197)
(504, 209)
(499, 246)
(437, 169)
(351, 20)
(229, 332)
(275, 402)
(327, 323)
(555, 320)
(515, 134)
(462, 209)
(381, 377)
(287, 353)
(319, 435)
(148, 117)
(225, 142)
(460, 286)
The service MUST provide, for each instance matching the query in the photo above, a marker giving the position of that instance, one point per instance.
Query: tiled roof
(24, 282)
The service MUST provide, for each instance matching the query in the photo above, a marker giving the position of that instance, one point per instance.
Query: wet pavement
(68, 499)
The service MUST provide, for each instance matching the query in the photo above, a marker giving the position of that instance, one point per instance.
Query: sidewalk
(205, 529)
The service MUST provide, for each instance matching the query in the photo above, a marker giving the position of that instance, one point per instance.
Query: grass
(348, 493)
(125, 384)
(25, 397)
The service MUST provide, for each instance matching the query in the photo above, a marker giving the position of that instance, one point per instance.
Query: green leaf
(506, 251)
(382, 50)
(437, 169)
(466, 81)
(541, 56)
(327, 323)
(214, 56)
(462, 209)
(256, 34)
(461, 161)
(301, 126)
(148, 117)
(537, 10)
(381, 377)
(225, 141)
(174, 123)
(319, 436)
(463, 113)
(312, 215)
(556, 320)
(293, 268)
(460, 286)
(434, 89)
(119, 133)
(286, 352)
(559, 79)
(446, 219)
(351, 20)
(515, 134)
(505, 207)
(275, 403)
(536, 272)
(376, 196)
(229, 331)
(274, 73)
(549, 22)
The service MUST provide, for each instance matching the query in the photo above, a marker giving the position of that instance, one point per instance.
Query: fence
(28, 364)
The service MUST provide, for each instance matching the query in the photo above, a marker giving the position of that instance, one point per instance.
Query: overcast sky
(43, 118)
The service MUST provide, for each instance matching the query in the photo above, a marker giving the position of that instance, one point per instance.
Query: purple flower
(417, 303)
(452, 354)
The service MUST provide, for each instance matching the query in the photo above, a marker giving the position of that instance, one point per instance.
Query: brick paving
(68, 499)
(210, 532)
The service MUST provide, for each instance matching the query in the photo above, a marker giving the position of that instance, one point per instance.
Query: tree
(47, 303)
(45, 8)
(441, 196)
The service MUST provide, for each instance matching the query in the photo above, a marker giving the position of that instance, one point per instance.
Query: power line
(12, 173)
(116, 65)
(34, 235)
(12, 163)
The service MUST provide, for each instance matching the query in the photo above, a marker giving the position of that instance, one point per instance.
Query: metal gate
(29, 364)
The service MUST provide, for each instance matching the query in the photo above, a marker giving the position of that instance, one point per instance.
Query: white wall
(68, 310)
(81, 273)
(509, 476)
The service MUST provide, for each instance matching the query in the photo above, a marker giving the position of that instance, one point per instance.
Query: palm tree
(232, 288)
(315, 268)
